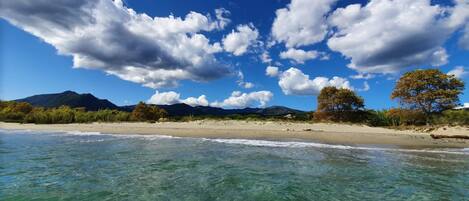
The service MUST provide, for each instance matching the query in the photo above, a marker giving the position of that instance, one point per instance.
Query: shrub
(340, 116)
(453, 117)
(407, 116)
(144, 112)
(11, 111)
(382, 118)
(14, 111)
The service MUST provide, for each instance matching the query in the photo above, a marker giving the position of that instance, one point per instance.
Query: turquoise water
(87, 166)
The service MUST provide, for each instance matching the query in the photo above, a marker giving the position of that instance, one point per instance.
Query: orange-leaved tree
(144, 112)
(428, 91)
(339, 105)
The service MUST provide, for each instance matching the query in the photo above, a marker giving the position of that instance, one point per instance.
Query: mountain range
(91, 103)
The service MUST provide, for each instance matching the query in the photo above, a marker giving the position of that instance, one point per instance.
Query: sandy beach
(284, 131)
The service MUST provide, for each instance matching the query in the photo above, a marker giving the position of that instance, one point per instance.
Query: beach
(269, 130)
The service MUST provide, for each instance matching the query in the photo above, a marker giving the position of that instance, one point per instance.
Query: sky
(230, 54)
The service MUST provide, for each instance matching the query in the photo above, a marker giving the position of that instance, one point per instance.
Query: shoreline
(343, 134)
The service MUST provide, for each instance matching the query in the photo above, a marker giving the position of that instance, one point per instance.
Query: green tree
(429, 91)
(332, 99)
(144, 112)
(339, 105)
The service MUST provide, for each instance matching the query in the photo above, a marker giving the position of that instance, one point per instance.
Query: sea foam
(294, 144)
(250, 142)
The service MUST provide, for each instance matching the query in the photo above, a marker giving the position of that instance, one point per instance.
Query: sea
(98, 166)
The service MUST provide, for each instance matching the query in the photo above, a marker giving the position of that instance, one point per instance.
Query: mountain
(91, 103)
(69, 98)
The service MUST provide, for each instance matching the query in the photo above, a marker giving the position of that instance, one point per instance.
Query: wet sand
(268, 130)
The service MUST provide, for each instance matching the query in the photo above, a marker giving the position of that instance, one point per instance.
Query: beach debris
(312, 130)
(435, 136)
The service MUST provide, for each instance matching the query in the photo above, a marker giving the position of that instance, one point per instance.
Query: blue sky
(129, 56)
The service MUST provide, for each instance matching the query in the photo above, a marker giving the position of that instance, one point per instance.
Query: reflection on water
(89, 166)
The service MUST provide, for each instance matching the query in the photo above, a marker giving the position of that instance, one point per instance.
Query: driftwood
(466, 137)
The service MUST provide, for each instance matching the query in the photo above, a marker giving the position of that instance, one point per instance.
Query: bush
(357, 116)
(382, 118)
(13, 111)
(144, 112)
(39, 116)
(407, 116)
(452, 117)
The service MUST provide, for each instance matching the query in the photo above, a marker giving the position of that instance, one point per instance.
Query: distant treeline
(23, 112)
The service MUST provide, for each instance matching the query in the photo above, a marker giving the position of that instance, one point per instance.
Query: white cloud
(221, 14)
(106, 35)
(242, 83)
(265, 57)
(248, 85)
(164, 98)
(458, 72)
(237, 42)
(295, 82)
(303, 22)
(200, 101)
(271, 71)
(385, 36)
(366, 87)
(364, 76)
(171, 97)
(299, 55)
(243, 100)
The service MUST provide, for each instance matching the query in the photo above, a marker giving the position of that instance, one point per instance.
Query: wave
(83, 133)
(293, 144)
(250, 142)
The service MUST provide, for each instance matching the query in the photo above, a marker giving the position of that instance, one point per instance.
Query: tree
(144, 112)
(428, 91)
(332, 99)
(339, 104)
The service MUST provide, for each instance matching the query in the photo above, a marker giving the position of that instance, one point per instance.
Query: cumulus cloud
(271, 71)
(294, 82)
(240, 100)
(237, 42)
(171, 97)
(458, 71)
(108, 36)
(300, 56)
(200, 101)
(164, 98)
(302, 22)
(385, 36)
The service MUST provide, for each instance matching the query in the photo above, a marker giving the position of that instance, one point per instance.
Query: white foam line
(259, 143)
(266, 143)
(152, 136)
(83, 133)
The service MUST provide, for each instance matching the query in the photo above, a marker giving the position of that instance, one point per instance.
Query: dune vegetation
(23, 112)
